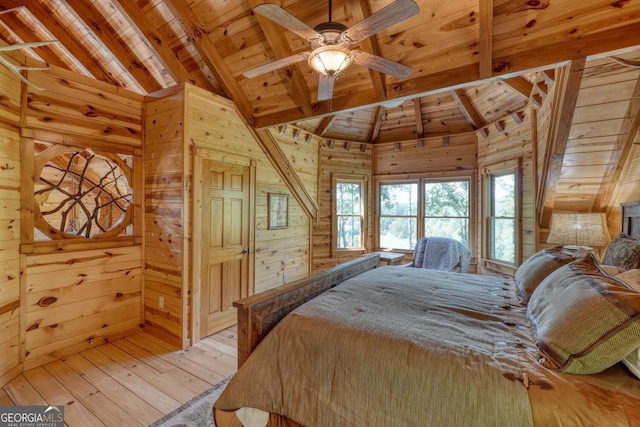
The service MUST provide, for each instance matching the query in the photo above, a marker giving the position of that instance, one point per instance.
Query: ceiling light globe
(330, 61)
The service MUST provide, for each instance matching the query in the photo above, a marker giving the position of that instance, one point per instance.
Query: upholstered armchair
(441, 253)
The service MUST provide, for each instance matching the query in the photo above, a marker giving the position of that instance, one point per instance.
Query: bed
(394, 346)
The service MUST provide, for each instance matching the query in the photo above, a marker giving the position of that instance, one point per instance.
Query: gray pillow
(537, 267)
(584, 320)
(623, 251)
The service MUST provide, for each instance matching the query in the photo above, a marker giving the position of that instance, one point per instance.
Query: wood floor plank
(125, 399)
(163, 381)
(177, 358)
(213, 359)
(23, 393)
(131, 381)
(222, 346)
(5, 400)
(98, 403)
(142, 389)
(75, 413)
(140, 353)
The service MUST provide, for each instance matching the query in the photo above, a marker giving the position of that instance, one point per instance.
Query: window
(398, 215)
(501, 214)
(446, 210)
(81, 193)
(427, 207)
(349, 212)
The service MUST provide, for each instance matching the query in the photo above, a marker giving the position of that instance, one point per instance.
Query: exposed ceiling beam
(9, 4)
(520, 85)
(140, 22)
(26, 33)
(622, 147)
(109, 37)
(566, 96)
(192, 26)
(44, 14)
(418, 113)
(582, 45)
(404, 90)
(466, 106)
(325, 124)
(361, 10)
(377, 123)
(506, 66)
(486, 38)
(300, 93)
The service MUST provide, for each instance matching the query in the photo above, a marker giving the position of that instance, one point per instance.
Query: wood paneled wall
(338, 158)
(75, 301)
(179, 122)
(166, 231)
(432, 154)
(10, 172)
(60, 297)
(627, 189)
(79, 293)
(515, 141)
(285, 255)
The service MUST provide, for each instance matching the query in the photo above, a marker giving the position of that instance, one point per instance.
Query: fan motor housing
(331, 32)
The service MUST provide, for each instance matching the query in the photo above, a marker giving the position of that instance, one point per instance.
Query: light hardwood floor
(132, 381)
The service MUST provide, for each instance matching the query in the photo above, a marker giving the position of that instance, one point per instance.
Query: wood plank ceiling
(474, 62)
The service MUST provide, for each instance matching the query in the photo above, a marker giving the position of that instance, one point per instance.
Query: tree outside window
(349, 212)
(349, 215)
(446, 209)
(426, 207)
(502, 221)
(398, 215)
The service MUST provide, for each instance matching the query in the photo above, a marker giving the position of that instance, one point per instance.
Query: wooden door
(225, 243)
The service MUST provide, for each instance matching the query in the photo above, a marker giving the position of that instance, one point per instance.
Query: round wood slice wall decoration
(81, 193)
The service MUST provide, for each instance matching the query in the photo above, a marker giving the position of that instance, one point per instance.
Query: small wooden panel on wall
(100, 287)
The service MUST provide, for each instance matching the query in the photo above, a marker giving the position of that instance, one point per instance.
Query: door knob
(245, 251)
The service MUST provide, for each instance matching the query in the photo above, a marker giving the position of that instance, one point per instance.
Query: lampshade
(579, 229)
(330, 60)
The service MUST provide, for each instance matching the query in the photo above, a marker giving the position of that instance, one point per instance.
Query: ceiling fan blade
(325, 88)
(382, 65)
(387, 16)
(283, 18)
(275, 65)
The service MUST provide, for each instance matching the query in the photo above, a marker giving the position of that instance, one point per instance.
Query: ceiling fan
(329, 42)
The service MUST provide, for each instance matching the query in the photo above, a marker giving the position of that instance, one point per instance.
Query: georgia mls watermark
(31, 416)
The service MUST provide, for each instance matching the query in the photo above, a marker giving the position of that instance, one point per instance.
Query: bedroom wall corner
(70, 110)
(10, 280)
(339, 157)
(513, 141)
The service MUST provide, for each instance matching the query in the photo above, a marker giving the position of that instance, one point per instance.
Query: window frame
(379, 215)
(29, 245)
(363, 181)
(510, 167)
(421, 180)
(469, 203)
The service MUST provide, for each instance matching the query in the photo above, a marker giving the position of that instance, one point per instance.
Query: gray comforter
(387, 349)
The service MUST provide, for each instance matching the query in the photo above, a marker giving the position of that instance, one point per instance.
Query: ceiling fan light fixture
(330, 61)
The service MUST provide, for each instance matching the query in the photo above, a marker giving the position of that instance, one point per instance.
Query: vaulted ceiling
(473, 62)
(468, 56)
